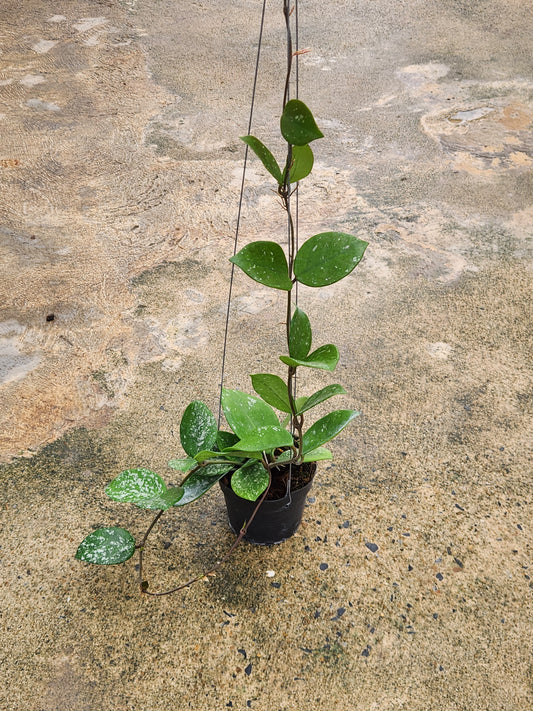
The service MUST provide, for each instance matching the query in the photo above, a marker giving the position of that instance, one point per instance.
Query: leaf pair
(323, 259)
(274, 391)
(299, 128)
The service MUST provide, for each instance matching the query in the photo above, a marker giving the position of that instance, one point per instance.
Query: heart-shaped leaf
(302, 163)
(266, 263)
(326, 429)
(265, 156)
(272, 389)
(106, 546)
(250, 481)
(328, 257)
(300, 335)
(198, 428)
(326, 358)
(143, 488)
(298, 125)
(245, 413)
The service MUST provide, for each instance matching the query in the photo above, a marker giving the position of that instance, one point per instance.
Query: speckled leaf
(326, 429)
(300, 335)
(245, 413)
(321, 396)
(302, 163)
(326, 358)
(106, 546)
(198, 428)
(182, 465)
(272, 389)
(250, 481)
(162, 501)
(328, 257)
(134, 484)
(298, 125)
(265, 156)
(266, 263)
(264, 439)
(201, 481)
(143, 488)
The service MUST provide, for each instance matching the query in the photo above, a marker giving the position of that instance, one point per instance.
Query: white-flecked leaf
(134, 484)
(250, 481)
(106, 546)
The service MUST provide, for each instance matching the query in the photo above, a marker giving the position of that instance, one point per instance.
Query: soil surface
(409, 584)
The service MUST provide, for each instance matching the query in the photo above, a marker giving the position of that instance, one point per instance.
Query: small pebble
(371, 547)
(324, 566)
(248, 669)
(270, 573)
(439, 576)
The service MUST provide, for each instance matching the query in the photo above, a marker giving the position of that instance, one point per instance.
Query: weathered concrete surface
(120, 169)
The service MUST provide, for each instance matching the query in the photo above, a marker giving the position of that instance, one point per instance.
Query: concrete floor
(120, 169)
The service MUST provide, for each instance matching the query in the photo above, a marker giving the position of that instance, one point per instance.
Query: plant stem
(144, 585)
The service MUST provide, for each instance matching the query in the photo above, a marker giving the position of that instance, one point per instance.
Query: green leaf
(321, 396)
(326, 358)
(298, 125)
(143, 488)
(266, 263)
(134, 484)
(326, 429)
(272, 389)
(250, 481)
(245, 413)
(226, 439)
(300, 335)
(265, 156)
(317, 455)
(198, 428)
(264, 439)
(302, 163)
(107, 546)
(205, 455)
(197, 484)
(182, 465)
(328, 257)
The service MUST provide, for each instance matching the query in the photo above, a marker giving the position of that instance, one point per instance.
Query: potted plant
(266, 458)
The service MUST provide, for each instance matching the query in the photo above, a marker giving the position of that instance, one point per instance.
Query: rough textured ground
(409, 584)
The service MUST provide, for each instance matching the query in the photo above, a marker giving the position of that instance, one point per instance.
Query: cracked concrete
(408, 585)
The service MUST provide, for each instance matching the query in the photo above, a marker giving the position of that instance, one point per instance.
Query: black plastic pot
(276, 519)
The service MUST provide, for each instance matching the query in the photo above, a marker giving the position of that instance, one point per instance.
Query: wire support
(239, 212)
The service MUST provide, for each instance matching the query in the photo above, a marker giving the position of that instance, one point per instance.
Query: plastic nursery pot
(276, 520)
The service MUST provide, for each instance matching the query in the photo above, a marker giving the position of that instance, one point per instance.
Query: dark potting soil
(299, 475)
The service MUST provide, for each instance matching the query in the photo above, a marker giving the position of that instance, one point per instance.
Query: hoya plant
(273, 430)
(270, 429)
